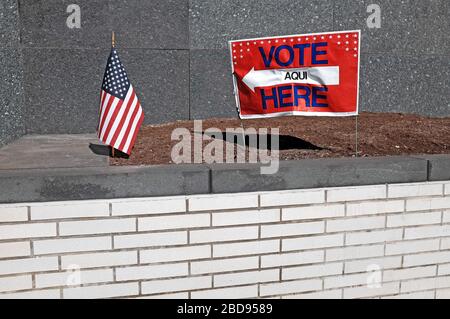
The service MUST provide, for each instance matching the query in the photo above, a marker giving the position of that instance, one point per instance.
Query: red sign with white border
(308, 75)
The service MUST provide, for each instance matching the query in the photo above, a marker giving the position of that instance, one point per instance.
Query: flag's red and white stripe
(120, 120)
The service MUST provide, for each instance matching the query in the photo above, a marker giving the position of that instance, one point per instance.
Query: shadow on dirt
(286, 142)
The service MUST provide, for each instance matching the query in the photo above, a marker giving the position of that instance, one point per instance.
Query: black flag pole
(356, 135)
(239, 113)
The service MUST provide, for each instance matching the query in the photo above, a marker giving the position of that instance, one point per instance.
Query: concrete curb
(127, 182)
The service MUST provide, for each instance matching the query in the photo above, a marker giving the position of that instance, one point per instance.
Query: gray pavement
(53, 151)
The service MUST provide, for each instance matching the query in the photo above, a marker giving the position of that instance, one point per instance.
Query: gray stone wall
(176, 54)
(11, 72)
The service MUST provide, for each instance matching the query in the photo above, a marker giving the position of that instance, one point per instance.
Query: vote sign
(311, 74)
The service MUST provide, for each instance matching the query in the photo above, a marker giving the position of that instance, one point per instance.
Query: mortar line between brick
(59, 263)
(31, 248)
(33, 281)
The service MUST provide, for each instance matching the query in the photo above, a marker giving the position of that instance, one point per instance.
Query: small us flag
(121, 114)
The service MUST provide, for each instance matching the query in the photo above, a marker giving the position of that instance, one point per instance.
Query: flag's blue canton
(115, 81)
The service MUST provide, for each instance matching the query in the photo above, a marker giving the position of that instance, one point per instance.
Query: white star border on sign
(348, 41)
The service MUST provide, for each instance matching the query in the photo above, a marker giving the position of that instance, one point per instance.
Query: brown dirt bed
(380, 134)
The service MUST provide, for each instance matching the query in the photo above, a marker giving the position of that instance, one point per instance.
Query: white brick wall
(217, 202)
(443, 294)
(415, 190)
(427, 259)
(313, 242)
(28, 265)
(246, 248)
(289, 259)
(373, 237)
(366, 292)
(227, 293)
(174, 254)
(353, 224)
(290, 287)
(68, 278)
(285, 230)
(303, 272)
(224, 265)
(408, 247)
(223, 234)
(27, 231)
(243, 278)
(328, 294)
(173, 222)
(97, 227)
(151, 272)
(150, 240)
(246, 217)
(356, 266)
(69, 210)
(182, 284)
(16, 283)
(15, 249)
(425, 284)
(409, 273)
(446, 217)
(300, 244)
(354, 252)
(10, 213)
(428, 203)
(314, 212)
(345, 281)
(356, 193)
(103, 291)
(68, 245)
(427, 232)
(34, 294)
(100, 259)
(415, 295)
(414, 219)
(292, 198)
(149, 206)
(375, 207)
(444, 270)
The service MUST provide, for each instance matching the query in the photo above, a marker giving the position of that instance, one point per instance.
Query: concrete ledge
(37, 185)
(438, 167)
(319, 173)
(102, 183)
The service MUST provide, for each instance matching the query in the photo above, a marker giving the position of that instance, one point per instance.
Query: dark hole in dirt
(264, 142)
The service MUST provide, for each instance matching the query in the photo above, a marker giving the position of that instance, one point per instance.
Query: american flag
(121, 113)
